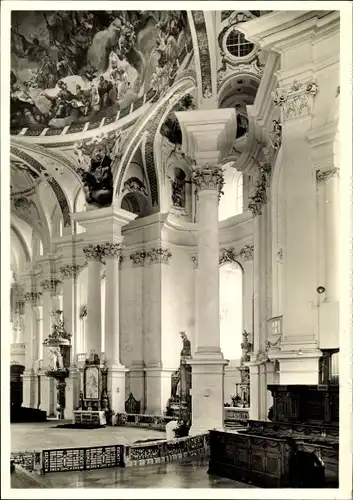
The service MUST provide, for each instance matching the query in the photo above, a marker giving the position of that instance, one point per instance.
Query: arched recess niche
(231, 202)
(231, 309)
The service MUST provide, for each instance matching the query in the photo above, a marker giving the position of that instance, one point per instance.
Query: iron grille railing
(76, 459)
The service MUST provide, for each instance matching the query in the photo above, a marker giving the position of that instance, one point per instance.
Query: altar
(94, 406)
(89, 417)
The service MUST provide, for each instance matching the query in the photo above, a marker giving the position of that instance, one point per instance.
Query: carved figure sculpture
(56, 358)
(98, 180)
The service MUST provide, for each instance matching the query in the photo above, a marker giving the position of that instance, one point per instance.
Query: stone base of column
(48, 395)
(72, 393)
(207, 395)
(137, 384)
(29, 389)
(158, 389)
(299, 367)
(116, 387)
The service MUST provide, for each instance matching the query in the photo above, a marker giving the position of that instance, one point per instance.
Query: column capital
(32, 297)
(70, 270)
(296, 100)
(208, 178)
(50, 285)
(158, 255)
(138, 257)
(20, 304)
(247, 252)
(111, 249)
(93, 252)
(325, 174)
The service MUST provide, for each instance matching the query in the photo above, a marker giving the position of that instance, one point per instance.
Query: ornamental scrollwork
(195, 260)
(158, 255)
(297, 100)
(259, 197)
(32, 296)
(108, 249)
(83, 311)
(134, 185)
(50, 285)
(93, 252)
(270, 345)
(138, 257)
(323, 175)
(227, 255)
(70, 271)
(208, 177)
(276, 134)
(247, 252)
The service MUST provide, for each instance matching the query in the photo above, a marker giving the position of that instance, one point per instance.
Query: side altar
(94, 406)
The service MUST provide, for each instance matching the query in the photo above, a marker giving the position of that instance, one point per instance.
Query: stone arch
(149, 126)
(22, 243)
(56, 188)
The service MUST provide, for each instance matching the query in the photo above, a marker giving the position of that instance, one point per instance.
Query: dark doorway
(16, 385)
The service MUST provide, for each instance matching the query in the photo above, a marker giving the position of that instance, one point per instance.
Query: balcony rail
(274, 326)
(18, 348)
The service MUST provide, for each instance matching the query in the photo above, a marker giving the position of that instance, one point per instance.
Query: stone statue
(175, 385)
(245, 347)
(98, 180)
(186, 351)
(56, 358)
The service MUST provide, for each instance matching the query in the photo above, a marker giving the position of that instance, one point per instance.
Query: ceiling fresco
(75, 66)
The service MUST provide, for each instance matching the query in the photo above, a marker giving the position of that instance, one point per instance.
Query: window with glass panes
(237, 44)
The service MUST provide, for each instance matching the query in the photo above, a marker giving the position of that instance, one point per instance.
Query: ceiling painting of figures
(77, 66)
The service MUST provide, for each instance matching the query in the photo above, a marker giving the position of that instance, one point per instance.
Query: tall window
(231, 309)
(40, 248)
(231, 202)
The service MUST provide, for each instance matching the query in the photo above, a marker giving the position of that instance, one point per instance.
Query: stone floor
(186, 473)
(42, 435)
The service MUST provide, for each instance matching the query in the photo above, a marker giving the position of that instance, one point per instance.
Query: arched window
(231, 309)
(40, 248)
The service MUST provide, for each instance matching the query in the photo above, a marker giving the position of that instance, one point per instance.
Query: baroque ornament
(158, 255)
(247, 252)
(323, 175)
(227, 255)
(297, 100)
(195, 260)
(70, 271)
(32, 296)
(208, 177)
(138, 257)
(50, 285)
(111, 249)
(276, 134)
(134, 185)
(93, 252)
(259, 197)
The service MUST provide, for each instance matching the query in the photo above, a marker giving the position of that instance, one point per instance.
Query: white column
(208, 135)
(332, 215)
(116, 371)
(31, 352)
(94, 321)
(208, 363)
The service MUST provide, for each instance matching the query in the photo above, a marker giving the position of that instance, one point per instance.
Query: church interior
(174, 248)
